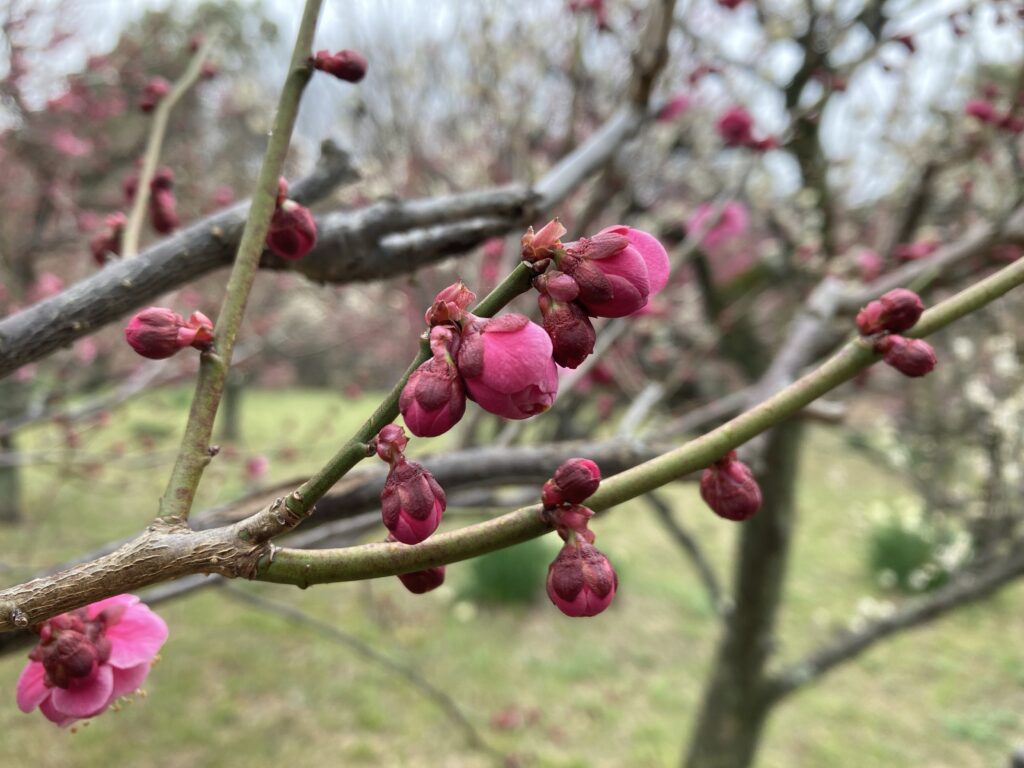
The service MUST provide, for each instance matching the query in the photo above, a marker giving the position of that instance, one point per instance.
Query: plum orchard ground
(246, 688)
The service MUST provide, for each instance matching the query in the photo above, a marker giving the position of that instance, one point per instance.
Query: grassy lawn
(238, 686)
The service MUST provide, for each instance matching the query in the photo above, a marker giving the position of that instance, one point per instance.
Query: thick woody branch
(966, 588)
(381, 240)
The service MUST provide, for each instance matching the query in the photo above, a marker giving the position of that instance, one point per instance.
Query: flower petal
(129, 680)
(136, 638)
(55, 716)
(31, 690)
(85, 697)
(655, 257)
(95, 609)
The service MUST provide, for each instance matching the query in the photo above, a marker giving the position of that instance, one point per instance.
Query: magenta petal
(56, 716)
(95, 609)
(85, 697)
(129, 680)
(655, 257)
(136, 638)
(31, 690)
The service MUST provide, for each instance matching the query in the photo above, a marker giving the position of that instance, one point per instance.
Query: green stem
(154, 145)
(304, 567)
(194, 454)
(301, 501)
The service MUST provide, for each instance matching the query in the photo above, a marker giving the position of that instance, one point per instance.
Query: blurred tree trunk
(735, 705)
(10, 485)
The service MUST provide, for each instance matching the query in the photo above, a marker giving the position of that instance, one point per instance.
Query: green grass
(238, 686)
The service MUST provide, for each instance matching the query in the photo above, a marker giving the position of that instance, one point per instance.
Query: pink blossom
(870, 264)
(67, 143)
(736, 127)
(507, 367)
(673, 108)
(46, 285)
(88, 658)
(919, 249)
(732, 221)
(256, 467)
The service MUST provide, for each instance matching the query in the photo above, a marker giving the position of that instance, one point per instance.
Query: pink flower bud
(919, 249)
(434, 399)
(412, 502)
(153, 93)
(981, 109)
(616, 270)
(419, 582)
(543, 244)
(895, 312)
(158, 332)
(108, 243)
(507, 367)
(345, 65)
(163, 211)
(581, 581)
(390, 443)
(558, 285)
(870, 264)
(292, 232)
(673, 108)
(573, 482)
(256, 467)
(572, 334)
(450, 305)
(911, 357)
(736, 127)
(729, 488)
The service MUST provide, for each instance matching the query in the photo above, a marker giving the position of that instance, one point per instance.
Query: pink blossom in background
(673, 108)
(88, 658)
(870, 264)
(732, 222)
(86, 351)
(919, 249)
(67, 143)
(46, 285)
(256, 467)
(981, 109)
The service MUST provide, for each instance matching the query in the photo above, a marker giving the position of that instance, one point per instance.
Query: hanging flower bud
(163, 208)
(390, 443)
(450, 305)
(895, 312)
(911, 357)
(581, 581)
(729, 488)
(573, 483)
(543, 244)
(412, 502)
(108, 243)
(572, 334)
(153, 93)
(292, 232)
(419, 582)
(158, 332)
(507, 367)
(434, 398)
(345, 64)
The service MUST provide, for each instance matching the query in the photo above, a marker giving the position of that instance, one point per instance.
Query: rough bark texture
(736, 704)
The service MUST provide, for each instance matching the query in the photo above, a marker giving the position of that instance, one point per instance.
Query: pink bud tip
(345, 65)
(581, 581)
(542, 244)
(729, 488)
(911, 357)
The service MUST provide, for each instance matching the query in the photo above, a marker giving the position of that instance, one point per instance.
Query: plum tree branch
(194, 454)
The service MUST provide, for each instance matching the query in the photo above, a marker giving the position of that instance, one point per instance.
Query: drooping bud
(507, 367)
(572, 334)
(729, 488)
(292, 232)
(895, 312)
(158, 332)
(390, 443)
(450, 305)
(163, 207)
(581, 581)
(153, 93)
(108, 242)
(412, 502)
(543, 244)
(345, 64)
(911, 357)
(434, 398)
(574, 482)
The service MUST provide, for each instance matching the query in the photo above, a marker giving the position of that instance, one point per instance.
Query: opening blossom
(88, 658)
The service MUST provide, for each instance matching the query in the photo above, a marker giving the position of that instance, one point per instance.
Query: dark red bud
(412, 502)
(729, 488)
(911, 357)
(345, 64)
(576, 479)
(427, 580)
(895, 312)
(292, 232)
(572, 334)
(390, 443)
(581, 581)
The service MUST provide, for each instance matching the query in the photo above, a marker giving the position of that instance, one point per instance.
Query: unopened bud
(573, 483)
(390, 443)
(292, 232)
(153, 93)
(572, 334)
(911, 357)
(345, 64)
(895, 312)
(729, 488)
(581, 581)
(412, 502)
